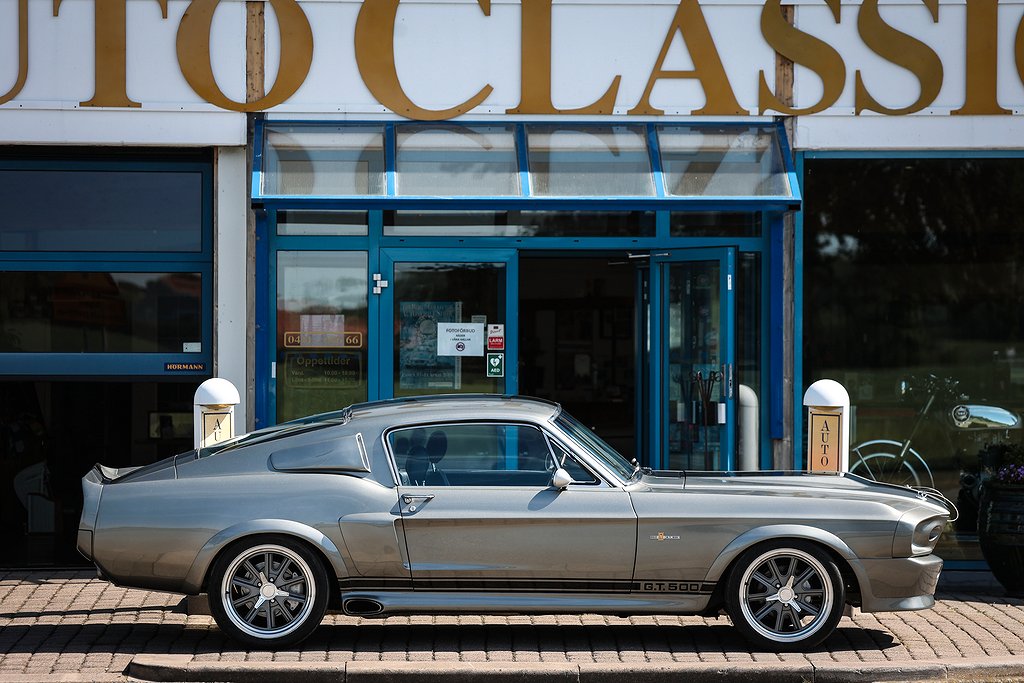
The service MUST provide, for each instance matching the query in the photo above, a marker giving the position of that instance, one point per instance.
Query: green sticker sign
(495, 365)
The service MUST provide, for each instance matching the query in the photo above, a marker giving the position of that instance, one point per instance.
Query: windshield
(595, 446)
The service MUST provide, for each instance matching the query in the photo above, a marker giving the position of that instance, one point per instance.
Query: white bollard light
(213, 412)
(828, 427)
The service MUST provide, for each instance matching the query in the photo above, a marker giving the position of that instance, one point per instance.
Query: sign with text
(460, 339)
(436, 60)
(823, 441)
(495, 337)
(495, 365)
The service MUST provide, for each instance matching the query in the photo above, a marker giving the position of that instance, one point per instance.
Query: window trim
(135, 365)
(601, 482)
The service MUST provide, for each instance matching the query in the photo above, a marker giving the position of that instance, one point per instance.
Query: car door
(479, 513)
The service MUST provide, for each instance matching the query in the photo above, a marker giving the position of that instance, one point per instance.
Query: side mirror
(560, 479)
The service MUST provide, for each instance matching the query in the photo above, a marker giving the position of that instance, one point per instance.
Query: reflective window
(441, 312)
(589, 161)
(101, 210)
(324, 160)
(478, 455)
(52, 432)
(293, 222)
(520, 223)
(715, 224)
(457, 161)
(100, 312)
(727, 161)
(913, 272)
(321, 331)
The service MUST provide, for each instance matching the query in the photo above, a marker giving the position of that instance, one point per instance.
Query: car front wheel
(785, 596)
(268, 592)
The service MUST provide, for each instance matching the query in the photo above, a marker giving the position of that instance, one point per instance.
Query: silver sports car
(487, 504)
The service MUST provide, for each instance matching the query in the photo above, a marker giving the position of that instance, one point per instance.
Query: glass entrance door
(448, 321)
(692, 318)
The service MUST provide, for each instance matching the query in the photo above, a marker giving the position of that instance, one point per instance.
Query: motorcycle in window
(898, 462)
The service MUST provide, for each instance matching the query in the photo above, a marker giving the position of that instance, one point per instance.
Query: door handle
(414, 502)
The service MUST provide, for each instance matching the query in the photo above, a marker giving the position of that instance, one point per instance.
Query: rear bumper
(899, 584)
(92, 490)
(85, 543)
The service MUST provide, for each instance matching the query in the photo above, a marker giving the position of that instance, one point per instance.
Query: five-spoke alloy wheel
(785, 595)
(268, 592)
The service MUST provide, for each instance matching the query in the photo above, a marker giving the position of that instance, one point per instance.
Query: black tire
(785, 596)
(268, 591)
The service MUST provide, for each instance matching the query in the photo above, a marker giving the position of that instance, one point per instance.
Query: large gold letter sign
(375, 56)
(111, 51)
(804, 49)
(903, 50)
(719, 99)
(194, 54)
(22, 53)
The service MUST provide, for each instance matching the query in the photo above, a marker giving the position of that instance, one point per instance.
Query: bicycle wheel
(879, 460)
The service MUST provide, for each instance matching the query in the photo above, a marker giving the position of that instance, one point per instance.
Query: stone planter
(1001, 533)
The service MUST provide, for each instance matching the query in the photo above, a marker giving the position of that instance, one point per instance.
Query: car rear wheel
(268, 592)
(785, 596)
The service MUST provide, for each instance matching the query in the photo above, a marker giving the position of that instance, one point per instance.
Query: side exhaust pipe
(362, 607)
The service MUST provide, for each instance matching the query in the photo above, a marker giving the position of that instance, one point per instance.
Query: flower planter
(1001, 533)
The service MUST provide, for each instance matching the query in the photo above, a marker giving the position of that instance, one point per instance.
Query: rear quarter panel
(163, 534)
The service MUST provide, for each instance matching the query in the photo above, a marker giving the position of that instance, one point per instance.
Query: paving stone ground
(59, 623)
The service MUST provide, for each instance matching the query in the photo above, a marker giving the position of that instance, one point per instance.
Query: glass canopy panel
(592, 161)
(722, 161)
(319, 160)
(457, 161)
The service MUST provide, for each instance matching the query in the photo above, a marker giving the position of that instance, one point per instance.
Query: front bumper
(899, 584)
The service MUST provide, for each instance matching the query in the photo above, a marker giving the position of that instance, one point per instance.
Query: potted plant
(1001, 519)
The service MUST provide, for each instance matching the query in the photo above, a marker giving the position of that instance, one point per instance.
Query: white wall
(230, 280)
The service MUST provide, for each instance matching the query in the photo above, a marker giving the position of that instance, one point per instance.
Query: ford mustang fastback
(489, 504)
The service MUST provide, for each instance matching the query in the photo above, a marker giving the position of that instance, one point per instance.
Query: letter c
(375, 57)
(193, 46)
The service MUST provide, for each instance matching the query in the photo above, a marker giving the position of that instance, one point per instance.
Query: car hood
(790, 484)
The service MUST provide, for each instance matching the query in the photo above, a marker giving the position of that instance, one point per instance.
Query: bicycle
(897, 462)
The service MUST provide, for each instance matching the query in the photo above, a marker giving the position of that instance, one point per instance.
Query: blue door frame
(658, 383)
(384, 303)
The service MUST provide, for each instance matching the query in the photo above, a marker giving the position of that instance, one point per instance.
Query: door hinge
(728, 282)
(378, 283)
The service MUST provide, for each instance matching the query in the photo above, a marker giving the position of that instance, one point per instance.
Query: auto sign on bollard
(828, 427)
(213, 412)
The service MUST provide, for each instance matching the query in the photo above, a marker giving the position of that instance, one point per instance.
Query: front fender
(193, 582)
(780, 531)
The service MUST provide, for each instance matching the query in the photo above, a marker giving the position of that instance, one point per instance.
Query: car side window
(570, 464)
(473, 454)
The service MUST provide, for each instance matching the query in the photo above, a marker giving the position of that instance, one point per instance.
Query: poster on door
(419, 365)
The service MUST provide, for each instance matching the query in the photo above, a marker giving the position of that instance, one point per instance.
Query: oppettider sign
(434, 60)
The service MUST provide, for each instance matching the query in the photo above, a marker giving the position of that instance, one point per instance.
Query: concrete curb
(63, 678)
(161, 668)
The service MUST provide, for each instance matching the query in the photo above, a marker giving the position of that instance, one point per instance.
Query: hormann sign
(434, 61)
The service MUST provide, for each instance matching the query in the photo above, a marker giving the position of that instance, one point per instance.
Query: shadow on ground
(420, 641)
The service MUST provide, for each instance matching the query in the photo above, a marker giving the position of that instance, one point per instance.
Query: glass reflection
(319, 160)
(101, 210)
(427, 360)
(100, 312)
(520, 223)
(589, 161)
(728, 161)
(321, 331)
(457, 161)
(695, 356)
(913, 279)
